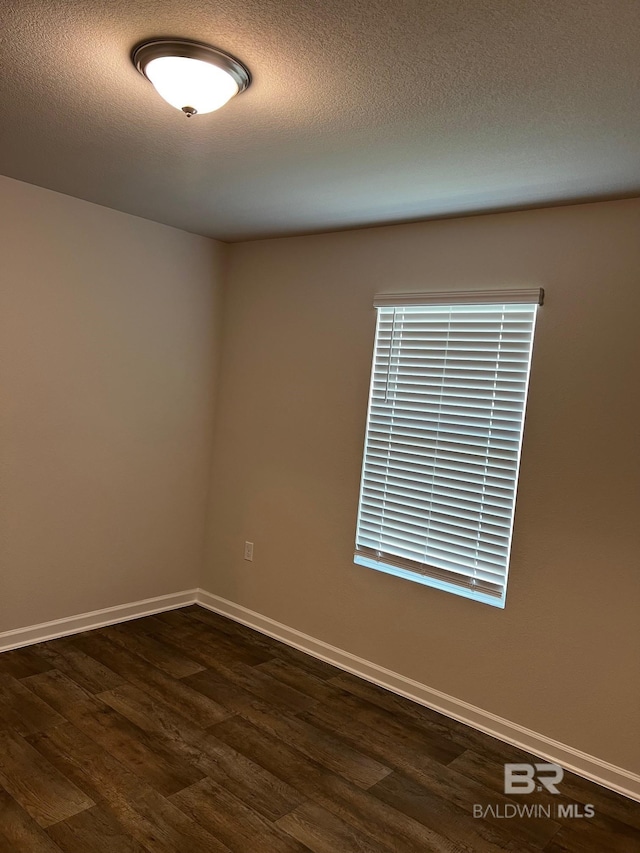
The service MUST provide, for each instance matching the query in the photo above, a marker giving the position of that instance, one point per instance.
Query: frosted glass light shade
(191, 83)
(191, 76)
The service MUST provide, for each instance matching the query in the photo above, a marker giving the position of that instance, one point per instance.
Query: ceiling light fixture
(191, 76)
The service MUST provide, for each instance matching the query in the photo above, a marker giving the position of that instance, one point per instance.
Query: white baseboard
(609, 775)
(95, 619)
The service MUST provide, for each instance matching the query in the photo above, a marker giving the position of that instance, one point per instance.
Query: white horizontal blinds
(443, 440)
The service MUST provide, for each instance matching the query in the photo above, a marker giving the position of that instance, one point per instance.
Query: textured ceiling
(360, 111)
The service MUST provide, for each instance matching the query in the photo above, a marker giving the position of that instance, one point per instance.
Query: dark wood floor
(187, 732)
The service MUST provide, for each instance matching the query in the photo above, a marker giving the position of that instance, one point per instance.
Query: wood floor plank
(84, 763)
(22, 711)
(272, 753)
(232, 821)
(266, 794)
(230, 695)
(323, 832)
(172, 623)
(208, 646)
(397, 730)
(605, 802)
(95, 830)
(624, 823)
(418, 758)
(374, 818)
(86, 671)
(352, 805)
(254, 684)
(269, 647)
(589, 832)
(450, 785)
(320, 746)
(395, 743)
(403, 708)
(583, 837)
(151, 714)
(21, 663)
(379, 821)
(35, 784)
(132, 668)
(426, 719)
(489, 772)
(148, 817)
(138, 750)
(174, 662)
(19, 833)
(319, 689)
(450, 820)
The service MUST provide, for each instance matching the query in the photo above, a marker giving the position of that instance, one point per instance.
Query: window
(444, 431)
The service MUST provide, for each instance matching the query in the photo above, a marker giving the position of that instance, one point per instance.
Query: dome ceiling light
(191, 76)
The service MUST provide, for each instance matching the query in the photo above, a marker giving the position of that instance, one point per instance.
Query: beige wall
(563, 657)
(108, 330)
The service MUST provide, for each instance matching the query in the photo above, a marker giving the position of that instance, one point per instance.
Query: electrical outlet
(248, 551)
